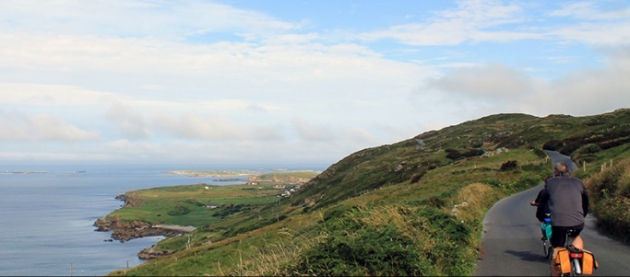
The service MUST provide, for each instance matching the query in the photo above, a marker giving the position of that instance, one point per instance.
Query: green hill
(409, 208)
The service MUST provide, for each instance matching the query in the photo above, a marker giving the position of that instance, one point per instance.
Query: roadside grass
(595, 161)
(609, 192)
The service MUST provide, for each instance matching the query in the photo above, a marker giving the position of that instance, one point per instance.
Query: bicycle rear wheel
(547, 249)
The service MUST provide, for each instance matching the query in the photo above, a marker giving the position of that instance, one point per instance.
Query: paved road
(511, 243)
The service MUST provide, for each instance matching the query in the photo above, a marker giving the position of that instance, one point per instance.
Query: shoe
(543, 238)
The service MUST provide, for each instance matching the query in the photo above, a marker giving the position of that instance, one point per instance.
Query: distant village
(292, 188)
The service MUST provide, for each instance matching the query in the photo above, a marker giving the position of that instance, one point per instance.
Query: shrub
(553, 145)
(539, 152)
(436, 202)
(416, 177)
(454, 154)
(178, 210)
(226, 210)
(194, 202)
(387, 241)
(368, 251)
(509, 165)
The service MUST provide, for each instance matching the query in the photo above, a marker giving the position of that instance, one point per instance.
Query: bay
(47, 215)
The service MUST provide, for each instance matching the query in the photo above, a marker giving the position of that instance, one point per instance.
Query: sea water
(47, 215)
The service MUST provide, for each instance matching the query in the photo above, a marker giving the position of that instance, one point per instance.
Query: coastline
(127, 230)
(126, 225)
(213, 173)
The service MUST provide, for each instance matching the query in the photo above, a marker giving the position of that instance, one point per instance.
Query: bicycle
(545, 227)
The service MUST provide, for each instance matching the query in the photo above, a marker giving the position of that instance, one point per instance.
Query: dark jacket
(567, 200)
(541, 205)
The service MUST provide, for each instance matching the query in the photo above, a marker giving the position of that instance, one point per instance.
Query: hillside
(409, 208)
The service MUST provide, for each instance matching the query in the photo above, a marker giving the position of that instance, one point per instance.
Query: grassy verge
(609, 192)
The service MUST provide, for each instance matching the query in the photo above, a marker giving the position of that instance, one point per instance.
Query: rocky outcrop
(124, 230)
(151, 253)
(127, 230)
(129, 200)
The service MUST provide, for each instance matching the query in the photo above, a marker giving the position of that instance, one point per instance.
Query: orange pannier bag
(561, 259)
(588, 262)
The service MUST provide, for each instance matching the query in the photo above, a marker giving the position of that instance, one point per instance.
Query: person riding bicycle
(568, 205)
(542, 213)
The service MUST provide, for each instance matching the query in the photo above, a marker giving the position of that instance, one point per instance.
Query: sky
(242, 83)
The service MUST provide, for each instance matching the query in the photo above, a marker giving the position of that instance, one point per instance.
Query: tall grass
(609, 192)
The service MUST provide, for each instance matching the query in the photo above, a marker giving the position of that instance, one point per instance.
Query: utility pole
(70, 269)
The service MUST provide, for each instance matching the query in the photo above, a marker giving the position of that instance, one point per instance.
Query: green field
(187, 205)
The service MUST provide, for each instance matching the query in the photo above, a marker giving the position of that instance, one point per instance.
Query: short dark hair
(561, 169)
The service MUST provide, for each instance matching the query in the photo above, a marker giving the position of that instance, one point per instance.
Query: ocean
(47, 216)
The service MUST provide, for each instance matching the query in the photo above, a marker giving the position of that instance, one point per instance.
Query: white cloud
(591, 11)
(226, 71)
(51, 95)
(592, 91)
(129, 122)
(597, 25)
(135, 150)
(15, 126)
(197, 126)
(53, 156)
(323, 133)
(452, 27)
(136, 18)
(597, 34)
(495, 88)
(313, 132)
(491, 81)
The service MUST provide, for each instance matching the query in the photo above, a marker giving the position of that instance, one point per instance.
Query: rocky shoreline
(128, 230)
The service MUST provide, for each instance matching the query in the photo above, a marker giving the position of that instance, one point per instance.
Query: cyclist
(568, 205)
(542, 212)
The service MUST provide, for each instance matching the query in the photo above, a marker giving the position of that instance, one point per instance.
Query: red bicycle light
(576, 255)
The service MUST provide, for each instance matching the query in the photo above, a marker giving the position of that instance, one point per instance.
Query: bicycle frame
(546, 230)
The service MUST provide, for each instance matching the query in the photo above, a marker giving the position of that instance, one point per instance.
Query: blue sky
(290, 83)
